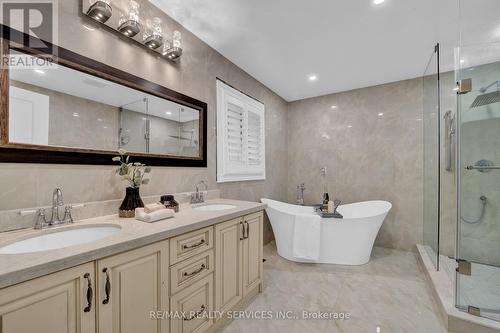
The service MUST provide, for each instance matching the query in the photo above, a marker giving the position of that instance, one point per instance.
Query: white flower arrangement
(134, 173)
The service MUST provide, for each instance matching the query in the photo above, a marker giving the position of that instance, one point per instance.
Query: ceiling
(348, 44)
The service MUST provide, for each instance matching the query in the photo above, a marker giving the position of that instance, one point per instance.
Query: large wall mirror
(81, 111)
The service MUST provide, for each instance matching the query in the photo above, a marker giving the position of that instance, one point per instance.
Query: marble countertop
(16, 268)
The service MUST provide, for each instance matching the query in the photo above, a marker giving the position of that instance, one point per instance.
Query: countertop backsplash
(13, 220)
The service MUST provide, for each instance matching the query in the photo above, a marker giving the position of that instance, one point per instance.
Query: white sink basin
(59, 239)
(213, 207)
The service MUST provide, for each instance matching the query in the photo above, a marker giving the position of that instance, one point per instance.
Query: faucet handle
(40, 219)
(67, 214)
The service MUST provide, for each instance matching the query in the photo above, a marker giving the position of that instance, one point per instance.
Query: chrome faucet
(199, 197)
(57, 201)
(300, 194)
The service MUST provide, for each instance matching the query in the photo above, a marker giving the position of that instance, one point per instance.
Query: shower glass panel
(134, 126)
(431, 157)
(478, 234)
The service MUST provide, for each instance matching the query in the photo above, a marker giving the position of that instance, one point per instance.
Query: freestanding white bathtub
(347, 241)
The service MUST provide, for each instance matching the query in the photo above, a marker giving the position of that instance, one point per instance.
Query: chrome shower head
(487, 98)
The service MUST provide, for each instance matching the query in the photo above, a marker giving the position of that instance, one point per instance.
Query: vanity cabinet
(130, 286)
(238, 263)
(53, 303)
(172, 286)
(252, 252)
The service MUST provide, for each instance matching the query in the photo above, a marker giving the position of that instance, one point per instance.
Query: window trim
(224, 175)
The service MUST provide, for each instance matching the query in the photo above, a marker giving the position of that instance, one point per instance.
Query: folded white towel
(307, 236)
(153, 207)
(157, 215)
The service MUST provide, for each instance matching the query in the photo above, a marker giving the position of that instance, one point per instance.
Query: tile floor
(389, 294)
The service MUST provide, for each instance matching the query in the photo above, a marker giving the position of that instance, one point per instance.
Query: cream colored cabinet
(238, 259)
(228, 264)
(252, 251)
(63, 302)
(132, 292)
(131, 286)
(193, 305)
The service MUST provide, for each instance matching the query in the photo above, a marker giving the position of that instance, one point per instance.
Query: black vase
(131, 202)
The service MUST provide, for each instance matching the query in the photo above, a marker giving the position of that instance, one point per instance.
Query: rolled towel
(157, 215)
(153, 207)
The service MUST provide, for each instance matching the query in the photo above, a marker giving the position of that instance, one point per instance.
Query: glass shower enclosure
(478, 214)
(431, 119)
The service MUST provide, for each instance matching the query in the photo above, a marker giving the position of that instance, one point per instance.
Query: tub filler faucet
(300, 194)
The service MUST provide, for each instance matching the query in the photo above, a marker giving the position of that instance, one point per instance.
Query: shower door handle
(449, 126)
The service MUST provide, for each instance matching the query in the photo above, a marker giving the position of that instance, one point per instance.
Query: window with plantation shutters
(240, 136)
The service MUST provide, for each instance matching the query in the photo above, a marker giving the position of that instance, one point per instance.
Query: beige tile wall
(376, 158)
(28, 185)
(367, 156)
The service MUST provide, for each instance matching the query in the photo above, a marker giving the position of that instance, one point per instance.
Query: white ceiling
(348, 43)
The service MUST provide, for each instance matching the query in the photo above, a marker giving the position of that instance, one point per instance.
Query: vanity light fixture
(173, 51)
(100, 10)
(129, 24)
(147, 32)
(153, 34)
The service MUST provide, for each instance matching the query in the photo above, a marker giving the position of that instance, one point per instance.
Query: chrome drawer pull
(197, 314)
(199, 270)
(200, 243)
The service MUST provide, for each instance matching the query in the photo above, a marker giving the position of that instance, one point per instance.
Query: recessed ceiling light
(39, 71)
(378, 2)
(349, 126)
(333, 107)
(75, 114)
(380, 114)
(312, 77)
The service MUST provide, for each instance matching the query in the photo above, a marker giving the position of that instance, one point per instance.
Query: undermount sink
(53, 240)
(213, 207)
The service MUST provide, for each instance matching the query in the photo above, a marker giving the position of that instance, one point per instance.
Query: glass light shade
(100, 10)
(156, 27)
(133, 11)
(177, 39)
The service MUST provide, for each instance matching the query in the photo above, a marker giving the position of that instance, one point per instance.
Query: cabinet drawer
(187, 272)
(193, 305)
(187, 245)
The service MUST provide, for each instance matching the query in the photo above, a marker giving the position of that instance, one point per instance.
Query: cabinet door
(55, 303)
(192, 306)
(131, 287)
(228, 264)
(252, 252)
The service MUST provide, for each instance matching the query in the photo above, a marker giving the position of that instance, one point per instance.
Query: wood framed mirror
(65, 108)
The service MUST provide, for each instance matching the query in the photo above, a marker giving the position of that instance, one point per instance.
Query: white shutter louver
(235, 117)
(240, 136)
(254, 140)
